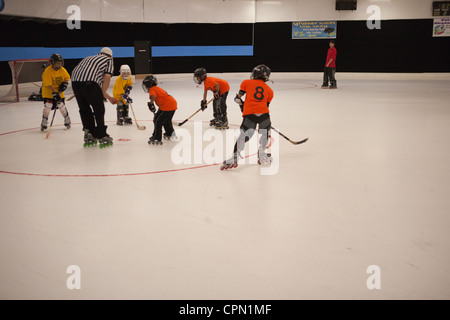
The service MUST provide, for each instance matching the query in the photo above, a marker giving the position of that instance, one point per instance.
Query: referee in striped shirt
(90, 80)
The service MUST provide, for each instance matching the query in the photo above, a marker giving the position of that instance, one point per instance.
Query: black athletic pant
(92, 107)
(248, 127)
(328, 75)
(163, 119)
(220, 107)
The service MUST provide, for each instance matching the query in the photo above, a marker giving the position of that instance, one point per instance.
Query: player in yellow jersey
(121, 91)
(54, 82)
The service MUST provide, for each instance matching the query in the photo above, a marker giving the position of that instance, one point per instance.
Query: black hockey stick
(293, 142)
(181, 123)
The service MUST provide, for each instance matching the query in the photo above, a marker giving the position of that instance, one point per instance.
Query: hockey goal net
(26, 77)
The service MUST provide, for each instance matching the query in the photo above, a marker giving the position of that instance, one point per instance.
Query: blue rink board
(14, 53)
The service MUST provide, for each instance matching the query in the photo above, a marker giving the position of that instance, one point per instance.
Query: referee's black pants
(92, 107)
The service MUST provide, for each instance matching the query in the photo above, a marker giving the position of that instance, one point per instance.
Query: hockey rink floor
(369, 188)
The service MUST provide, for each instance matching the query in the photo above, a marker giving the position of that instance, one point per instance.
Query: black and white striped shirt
(93, 68)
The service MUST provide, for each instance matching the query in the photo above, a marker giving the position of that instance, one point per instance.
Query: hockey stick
(181, 123)
(138, 126)
(70, 98)
(293, 142)
(51, 123)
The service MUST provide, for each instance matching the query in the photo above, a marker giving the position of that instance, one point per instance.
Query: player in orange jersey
(167, 106)
(220, 89)
(255, 111)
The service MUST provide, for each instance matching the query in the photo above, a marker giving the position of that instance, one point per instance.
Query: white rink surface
(370, 187)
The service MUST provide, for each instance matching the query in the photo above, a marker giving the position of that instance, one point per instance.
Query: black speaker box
(346, 5)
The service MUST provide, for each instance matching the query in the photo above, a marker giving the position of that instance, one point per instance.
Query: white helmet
(106, 51)
(125, 71)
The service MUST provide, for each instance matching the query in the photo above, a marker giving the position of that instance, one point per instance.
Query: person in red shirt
(330, 68)
(255, 111)
(163, 117)
(220, 89)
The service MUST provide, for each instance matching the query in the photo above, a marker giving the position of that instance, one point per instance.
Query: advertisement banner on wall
(314, 30)
(441, 27)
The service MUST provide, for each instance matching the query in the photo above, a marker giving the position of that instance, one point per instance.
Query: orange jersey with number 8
(257, 95)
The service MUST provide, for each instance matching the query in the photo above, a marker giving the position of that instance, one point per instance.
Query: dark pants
(248, 127)
(328, 75)
(220, 107)
(163, 119)
(92, 107)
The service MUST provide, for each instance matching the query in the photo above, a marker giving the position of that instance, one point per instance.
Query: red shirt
(163, 100)
(331, 55)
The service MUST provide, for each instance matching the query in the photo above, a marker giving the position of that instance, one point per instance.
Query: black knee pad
(264, 125)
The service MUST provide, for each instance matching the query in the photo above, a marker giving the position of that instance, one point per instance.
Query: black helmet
(199, 73)
(55, 58)
(261, 72)
(148, 82)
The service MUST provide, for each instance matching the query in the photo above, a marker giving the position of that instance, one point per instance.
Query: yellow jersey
(53, 78)
(119, 87)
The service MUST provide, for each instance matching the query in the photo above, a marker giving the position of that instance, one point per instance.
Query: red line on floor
(107, 175)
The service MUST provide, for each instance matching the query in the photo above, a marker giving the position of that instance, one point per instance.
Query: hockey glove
(151, 107)
(238, 100)
(203, 105)
(62, 87)
(129, 100)
(216, 94)
(56, 96)
(125, 95)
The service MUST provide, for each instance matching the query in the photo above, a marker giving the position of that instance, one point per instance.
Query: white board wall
(215, 11)
(301, 10)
